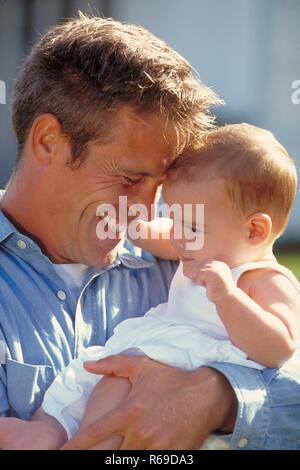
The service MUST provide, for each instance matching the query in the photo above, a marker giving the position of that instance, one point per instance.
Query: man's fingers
(120, 366)
(131, 443)
(106, 427)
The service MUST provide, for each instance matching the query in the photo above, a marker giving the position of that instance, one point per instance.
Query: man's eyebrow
(137, 172)
(140, 173)
(173, 164)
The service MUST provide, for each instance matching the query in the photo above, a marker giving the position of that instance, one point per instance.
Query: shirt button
(242, 443)
(61, 295)
(21, 244)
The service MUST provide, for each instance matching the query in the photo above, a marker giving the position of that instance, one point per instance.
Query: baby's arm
(155, 238)
(107, 395)
(261, 315)
(42, 433)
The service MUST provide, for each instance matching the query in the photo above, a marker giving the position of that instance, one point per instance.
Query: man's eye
(131, 181)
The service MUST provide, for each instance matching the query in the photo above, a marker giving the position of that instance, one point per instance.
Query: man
(101, 109)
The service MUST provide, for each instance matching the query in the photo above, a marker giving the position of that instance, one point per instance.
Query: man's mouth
(113, 225)
(185, 258)
(110, 227)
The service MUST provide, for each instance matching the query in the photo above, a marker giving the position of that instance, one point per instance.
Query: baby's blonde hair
(259, 174)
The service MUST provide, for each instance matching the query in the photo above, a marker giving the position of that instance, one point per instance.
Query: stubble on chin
(105, 259)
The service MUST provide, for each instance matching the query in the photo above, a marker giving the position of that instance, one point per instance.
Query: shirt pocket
(26, 385)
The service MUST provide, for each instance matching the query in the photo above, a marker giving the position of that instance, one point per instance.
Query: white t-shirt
(73, 275)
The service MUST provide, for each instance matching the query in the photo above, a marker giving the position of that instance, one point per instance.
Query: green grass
(291, 260)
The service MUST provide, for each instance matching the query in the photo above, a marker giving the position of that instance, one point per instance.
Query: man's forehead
(152, 167)
(149, 160)
(154, 127)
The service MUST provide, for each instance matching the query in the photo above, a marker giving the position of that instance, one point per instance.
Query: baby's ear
(259, 228)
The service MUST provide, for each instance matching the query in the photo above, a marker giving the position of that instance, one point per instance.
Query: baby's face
(222, 229)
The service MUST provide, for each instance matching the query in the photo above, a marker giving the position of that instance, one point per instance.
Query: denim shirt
(43, 327)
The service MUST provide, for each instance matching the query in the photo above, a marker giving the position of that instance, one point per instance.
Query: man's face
(131, 163)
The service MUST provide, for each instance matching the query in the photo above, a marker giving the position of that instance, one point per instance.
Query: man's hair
(83, 70)
(259, 174)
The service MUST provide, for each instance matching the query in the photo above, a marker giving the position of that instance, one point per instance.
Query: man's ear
(44, 138)
(259, 228)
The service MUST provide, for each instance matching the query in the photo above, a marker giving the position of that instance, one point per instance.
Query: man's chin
(108, 259)
(102, 258)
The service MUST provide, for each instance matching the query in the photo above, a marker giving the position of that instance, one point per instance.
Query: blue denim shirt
(42, 327)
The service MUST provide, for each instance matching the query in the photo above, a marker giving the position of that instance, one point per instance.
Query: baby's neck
(265, 254)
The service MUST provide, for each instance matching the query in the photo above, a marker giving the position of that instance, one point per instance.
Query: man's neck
(21, 206)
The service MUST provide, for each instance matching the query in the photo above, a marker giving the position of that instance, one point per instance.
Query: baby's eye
(192, 229)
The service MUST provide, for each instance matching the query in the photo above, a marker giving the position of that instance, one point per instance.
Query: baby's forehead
(206, 189)
(195, 198)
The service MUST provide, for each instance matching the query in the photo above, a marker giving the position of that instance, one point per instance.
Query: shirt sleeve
(4, 405)
(268, 414)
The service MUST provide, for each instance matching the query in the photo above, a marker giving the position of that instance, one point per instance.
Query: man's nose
(146, 196)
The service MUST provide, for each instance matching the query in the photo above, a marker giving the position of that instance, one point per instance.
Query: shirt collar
(128, 258)
(133, 262)
(6, 227)
(131, 256)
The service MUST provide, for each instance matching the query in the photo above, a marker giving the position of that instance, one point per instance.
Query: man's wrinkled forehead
(152, 167)
(149, 142)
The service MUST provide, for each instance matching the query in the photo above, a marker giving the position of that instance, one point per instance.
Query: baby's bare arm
(108, 395)
(262, 316)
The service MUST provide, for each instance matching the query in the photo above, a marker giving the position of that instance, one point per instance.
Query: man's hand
(212, 274)
(167, 408)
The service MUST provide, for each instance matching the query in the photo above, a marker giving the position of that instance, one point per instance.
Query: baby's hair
(259, 174)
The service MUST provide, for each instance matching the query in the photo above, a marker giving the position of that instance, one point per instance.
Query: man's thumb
(119, 366)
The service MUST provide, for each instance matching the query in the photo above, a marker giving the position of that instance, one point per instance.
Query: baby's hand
(212, 274)
(16, 434)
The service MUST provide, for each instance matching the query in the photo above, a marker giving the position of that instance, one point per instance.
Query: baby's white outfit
(186, 332)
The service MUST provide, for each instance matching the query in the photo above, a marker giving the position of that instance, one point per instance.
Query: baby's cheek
(186, 271)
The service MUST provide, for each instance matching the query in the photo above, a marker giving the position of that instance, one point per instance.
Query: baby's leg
(106, 396)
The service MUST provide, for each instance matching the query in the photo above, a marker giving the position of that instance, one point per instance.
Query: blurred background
(248, 51)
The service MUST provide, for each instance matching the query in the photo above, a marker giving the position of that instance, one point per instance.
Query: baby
(229, 301)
